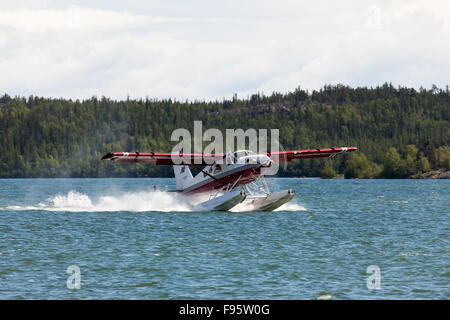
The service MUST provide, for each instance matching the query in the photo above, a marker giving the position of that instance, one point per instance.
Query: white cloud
(211, 50)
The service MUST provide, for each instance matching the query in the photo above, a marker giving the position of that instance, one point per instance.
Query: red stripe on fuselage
(247, 176)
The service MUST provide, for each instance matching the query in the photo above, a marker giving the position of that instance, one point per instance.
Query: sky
(207, 50)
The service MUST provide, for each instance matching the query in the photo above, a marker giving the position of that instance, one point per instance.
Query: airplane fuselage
(238, 169)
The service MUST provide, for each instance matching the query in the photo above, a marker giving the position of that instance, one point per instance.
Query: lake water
(131, 242)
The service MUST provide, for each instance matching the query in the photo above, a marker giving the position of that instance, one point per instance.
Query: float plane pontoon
(229, 178)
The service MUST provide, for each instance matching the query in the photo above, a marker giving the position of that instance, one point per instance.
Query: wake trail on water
(142, 201)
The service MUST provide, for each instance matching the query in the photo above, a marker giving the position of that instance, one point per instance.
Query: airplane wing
(170, 159)
(163, 159)
(286, 156)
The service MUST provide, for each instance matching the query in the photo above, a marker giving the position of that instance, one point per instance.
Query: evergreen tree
(399, 130)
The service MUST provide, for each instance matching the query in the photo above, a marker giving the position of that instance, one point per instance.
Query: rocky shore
(435, 174)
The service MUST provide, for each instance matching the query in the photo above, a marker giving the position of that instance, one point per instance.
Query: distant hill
(400, 132)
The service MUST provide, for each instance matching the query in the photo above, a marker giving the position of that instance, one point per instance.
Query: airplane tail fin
(183, 176)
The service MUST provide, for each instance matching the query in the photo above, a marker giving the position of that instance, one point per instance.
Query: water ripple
(135, 244)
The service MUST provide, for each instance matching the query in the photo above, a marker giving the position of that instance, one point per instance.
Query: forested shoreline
(400, 132)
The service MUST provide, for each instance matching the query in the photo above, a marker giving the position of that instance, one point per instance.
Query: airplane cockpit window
(239, 154)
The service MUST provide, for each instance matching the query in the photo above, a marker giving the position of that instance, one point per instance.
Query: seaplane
(228, 179)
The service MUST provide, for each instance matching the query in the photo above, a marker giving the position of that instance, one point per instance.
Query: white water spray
(142, 201)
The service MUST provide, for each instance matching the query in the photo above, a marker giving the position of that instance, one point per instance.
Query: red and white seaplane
(229, 178)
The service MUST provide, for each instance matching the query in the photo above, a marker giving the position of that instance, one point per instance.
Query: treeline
(399, 132)
(393, 166)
